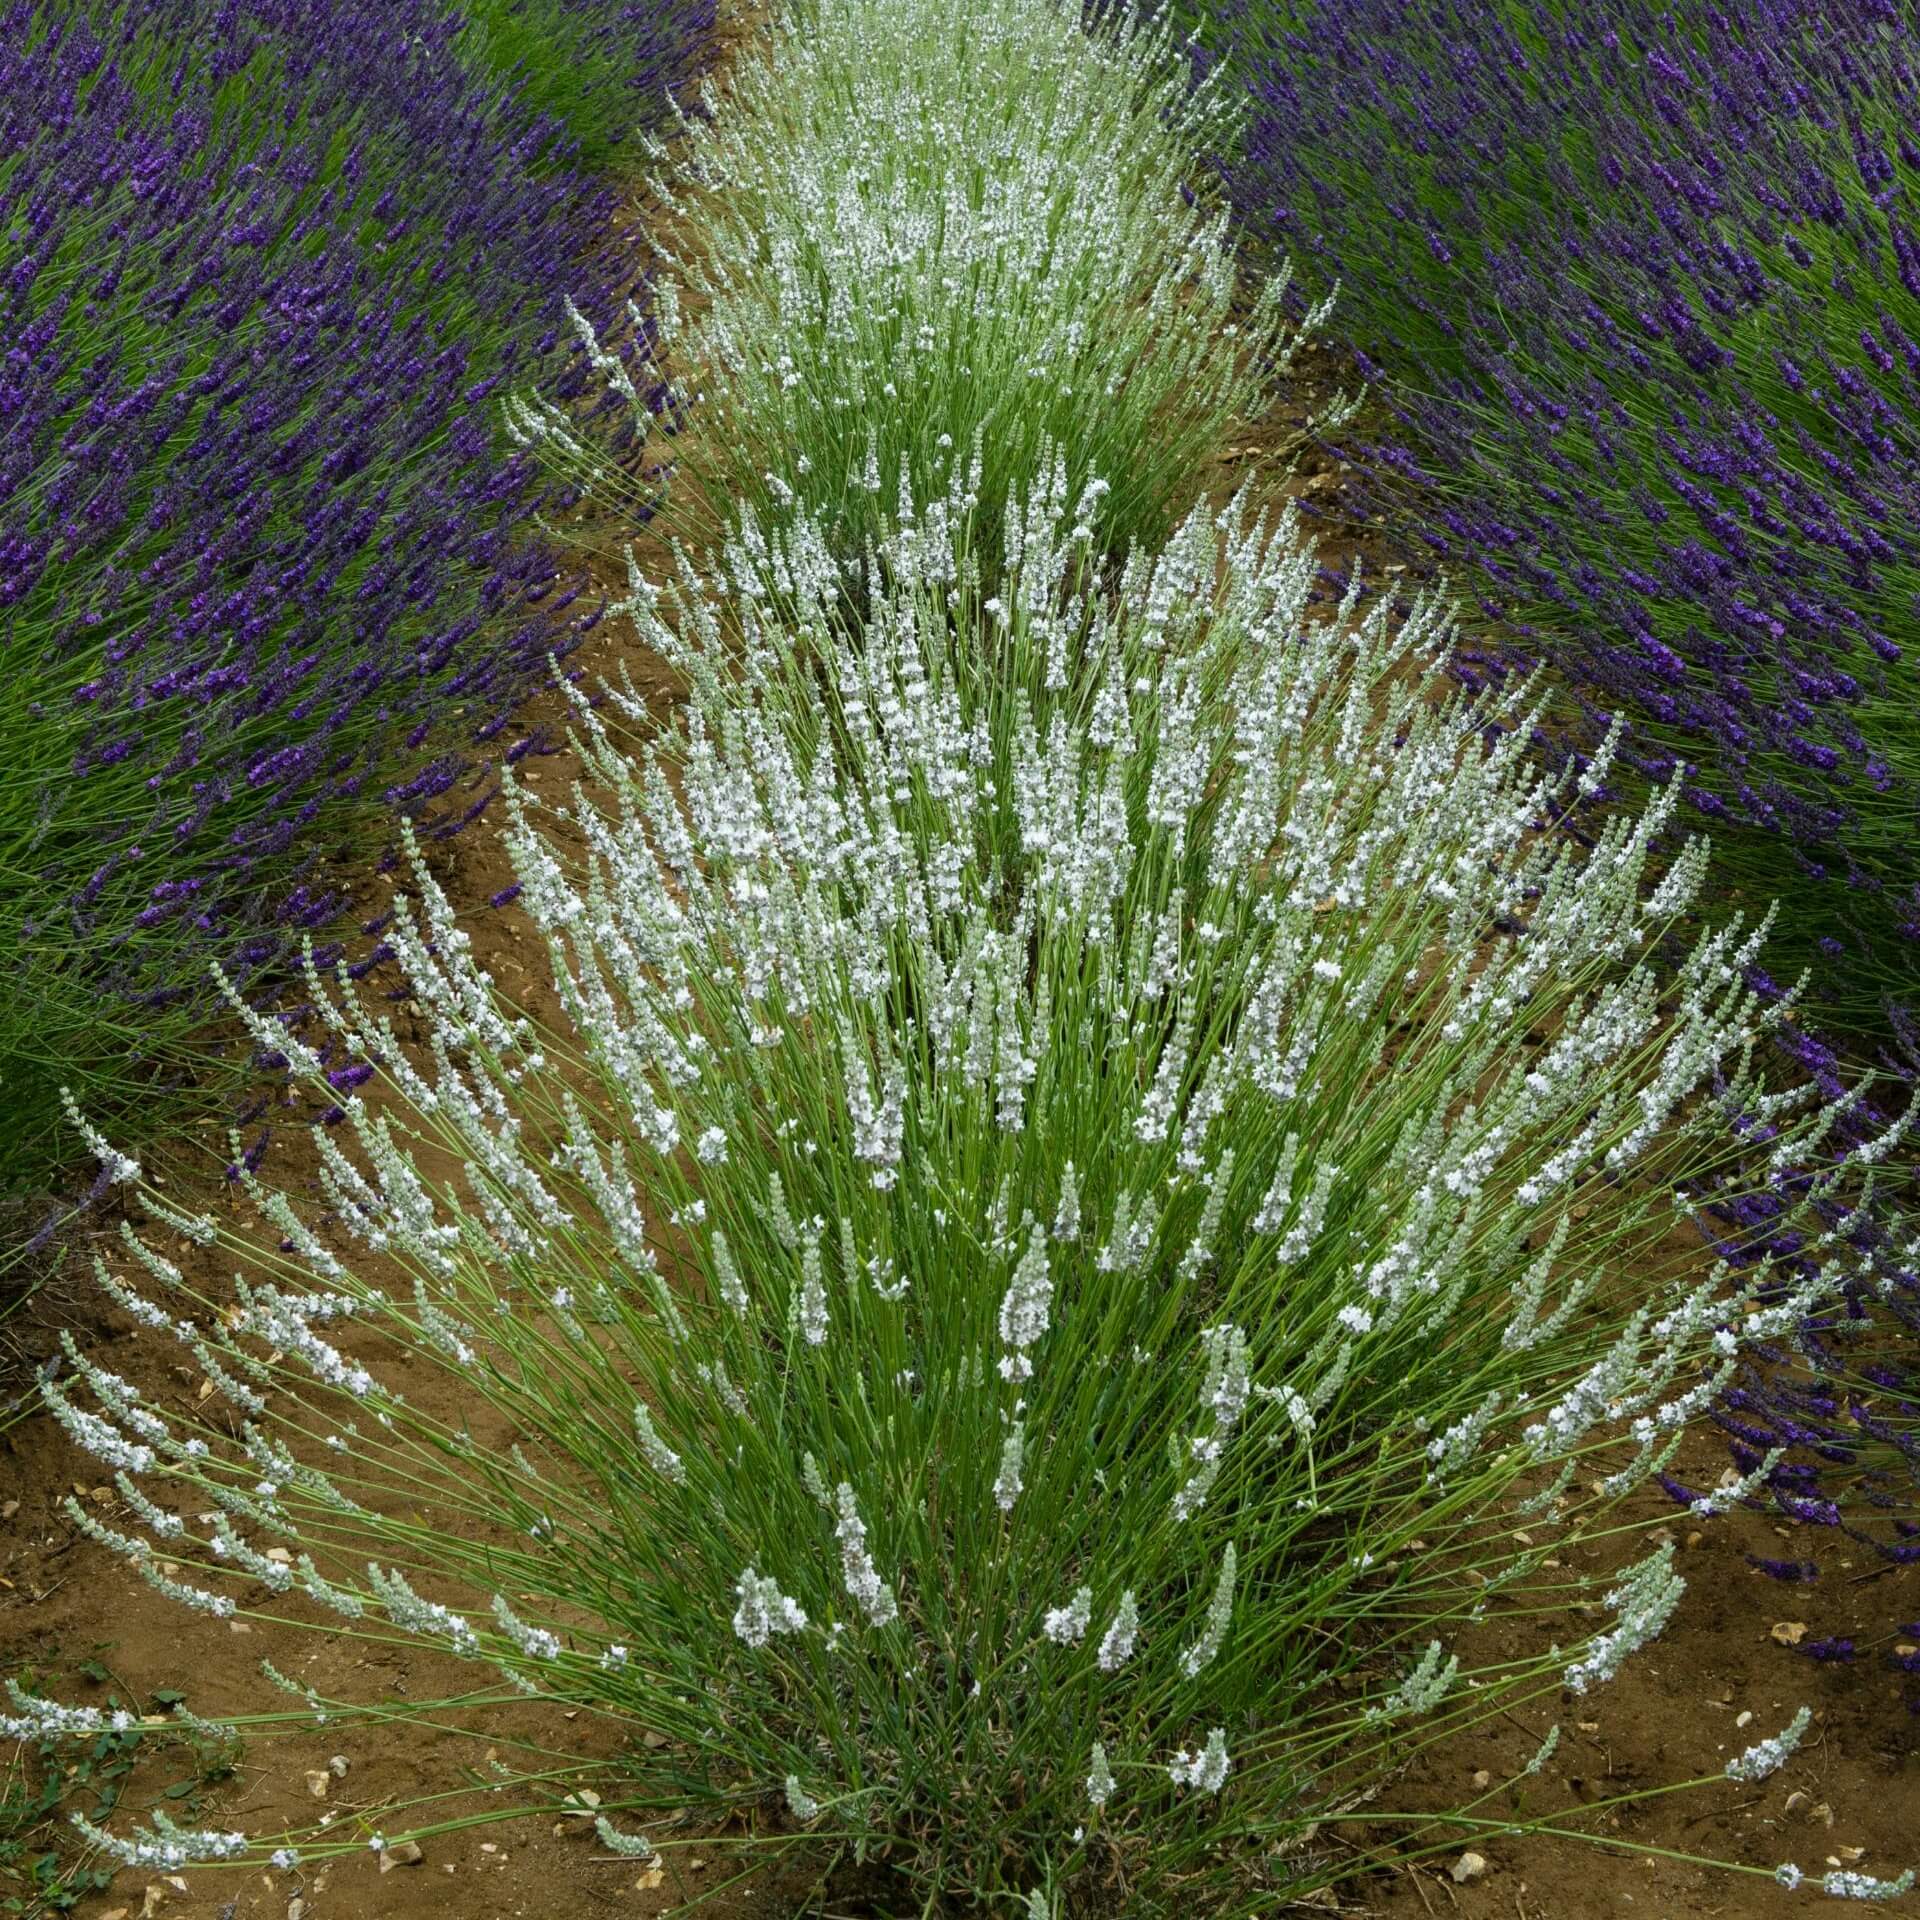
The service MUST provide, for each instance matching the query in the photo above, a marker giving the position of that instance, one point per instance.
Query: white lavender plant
(1136, 1047)
(932, 240)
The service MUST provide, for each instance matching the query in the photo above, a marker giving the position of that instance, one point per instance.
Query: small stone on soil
(1470, 1866)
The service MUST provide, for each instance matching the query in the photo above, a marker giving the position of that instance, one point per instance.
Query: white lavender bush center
(1099, 1151)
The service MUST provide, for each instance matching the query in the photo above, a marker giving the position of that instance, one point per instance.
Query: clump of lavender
(916, 231)
(1646, 276)
(1092, 1134)
(264, 271)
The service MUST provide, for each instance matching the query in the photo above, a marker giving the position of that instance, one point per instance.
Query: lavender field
(270, 568)
(1643, 284)
(961, 958)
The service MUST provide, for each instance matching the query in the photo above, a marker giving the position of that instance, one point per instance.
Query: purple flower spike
(267, 557)
(1646, 282)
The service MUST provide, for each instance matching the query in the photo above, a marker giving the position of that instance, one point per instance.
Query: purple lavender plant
(604, 67)
(1823, 1428)
(1646, 279)
(1841, 1411)
(265, 268)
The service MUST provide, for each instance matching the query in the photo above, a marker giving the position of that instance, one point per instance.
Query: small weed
(45, 1866)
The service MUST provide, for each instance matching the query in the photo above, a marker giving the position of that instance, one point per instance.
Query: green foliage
(604, 69)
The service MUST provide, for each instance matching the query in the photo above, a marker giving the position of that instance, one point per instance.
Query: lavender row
(1646, 281)
(266, 268)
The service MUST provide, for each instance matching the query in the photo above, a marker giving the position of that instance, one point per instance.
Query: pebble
(1470, 1866)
